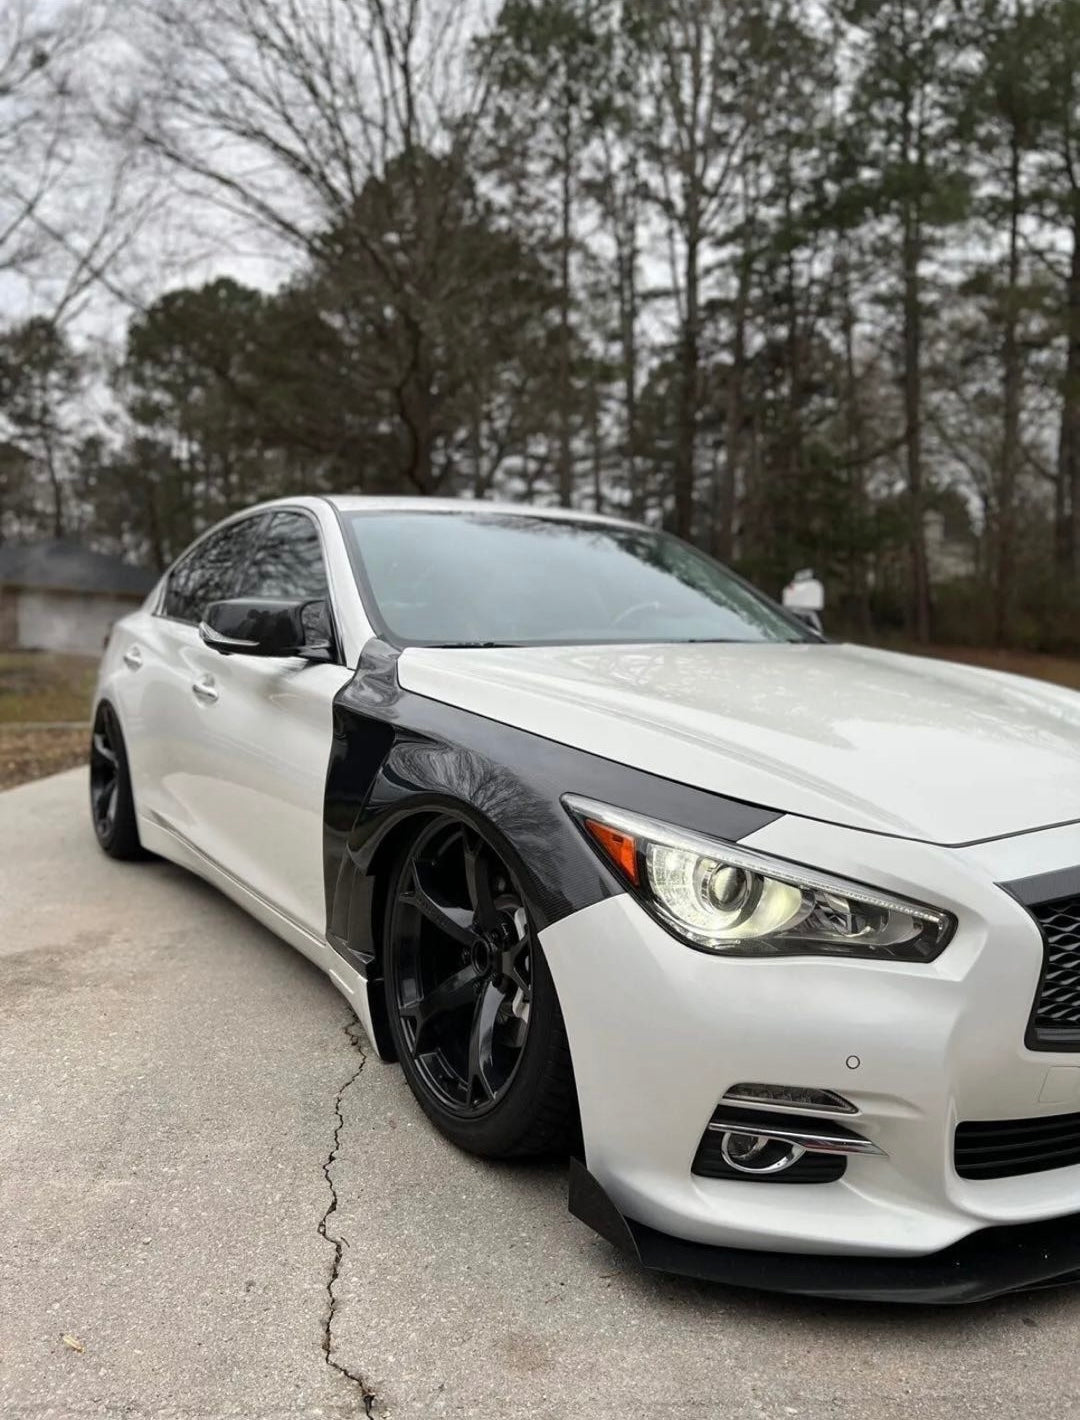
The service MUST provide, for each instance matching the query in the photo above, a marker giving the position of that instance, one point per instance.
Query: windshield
(468, 579)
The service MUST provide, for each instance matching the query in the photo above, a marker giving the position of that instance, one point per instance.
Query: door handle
(133, 658)
(205, 689)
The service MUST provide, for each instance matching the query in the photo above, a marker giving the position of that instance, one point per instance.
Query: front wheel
(471, 1003)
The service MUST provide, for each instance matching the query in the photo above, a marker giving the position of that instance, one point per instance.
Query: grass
(32, 754)
(43, 688)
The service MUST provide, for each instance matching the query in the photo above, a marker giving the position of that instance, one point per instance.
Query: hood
(870, 739)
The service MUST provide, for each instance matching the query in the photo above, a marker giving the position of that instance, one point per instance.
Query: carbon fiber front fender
(396, 755)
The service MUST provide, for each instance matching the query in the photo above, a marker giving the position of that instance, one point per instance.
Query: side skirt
(167, 843)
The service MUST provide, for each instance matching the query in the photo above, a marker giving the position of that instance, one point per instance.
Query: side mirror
(261, 626)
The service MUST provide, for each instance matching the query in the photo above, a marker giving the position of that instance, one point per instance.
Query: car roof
(363, 503)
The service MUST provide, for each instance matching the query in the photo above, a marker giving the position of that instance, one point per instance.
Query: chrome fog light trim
(815, 1141)
(758, 1153)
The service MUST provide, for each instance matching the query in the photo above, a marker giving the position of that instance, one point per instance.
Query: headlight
(722, 898)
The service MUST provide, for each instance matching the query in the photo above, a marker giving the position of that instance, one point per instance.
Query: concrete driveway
(213, 1204)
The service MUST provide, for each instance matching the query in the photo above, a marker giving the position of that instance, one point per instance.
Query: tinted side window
(208, 574)
(288, 561)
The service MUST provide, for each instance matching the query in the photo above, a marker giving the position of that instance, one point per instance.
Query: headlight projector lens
(724, 898)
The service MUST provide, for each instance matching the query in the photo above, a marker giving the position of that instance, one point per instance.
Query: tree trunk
(416, 406)
(689, 360)
(566, 468)
(56, 489)
(626, 256)
(734, 415)
(476, 443)
(1067, 492)
(597, 450)
(1010, 434)
(416, 410)
(857, 581)
(920, 578)
(792, 463)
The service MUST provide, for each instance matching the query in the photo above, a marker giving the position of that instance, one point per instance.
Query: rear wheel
(471, 1003)
(112, 806)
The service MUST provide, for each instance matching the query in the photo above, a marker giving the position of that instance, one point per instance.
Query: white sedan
(781, 939)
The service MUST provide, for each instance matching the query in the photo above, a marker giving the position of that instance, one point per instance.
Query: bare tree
(69, 208)
(711, 79)
(36, 56)
(323, 123)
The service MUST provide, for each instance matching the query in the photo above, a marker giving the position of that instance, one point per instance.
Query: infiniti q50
(779, 938)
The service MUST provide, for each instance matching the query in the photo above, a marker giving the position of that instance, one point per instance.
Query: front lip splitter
(987, 1263)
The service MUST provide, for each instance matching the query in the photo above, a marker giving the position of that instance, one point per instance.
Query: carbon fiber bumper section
(986, 1264)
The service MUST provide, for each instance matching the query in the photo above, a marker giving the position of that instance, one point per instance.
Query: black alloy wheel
(112, 805)
(472, 1006)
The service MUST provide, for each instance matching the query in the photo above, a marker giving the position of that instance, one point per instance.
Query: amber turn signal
(619, 847)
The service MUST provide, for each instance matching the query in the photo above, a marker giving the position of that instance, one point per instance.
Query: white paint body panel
(241, 778)
(897, 744)
(937, 1043)
(233, 787)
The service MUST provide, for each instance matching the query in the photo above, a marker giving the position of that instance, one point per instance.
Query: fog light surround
(758, 1153)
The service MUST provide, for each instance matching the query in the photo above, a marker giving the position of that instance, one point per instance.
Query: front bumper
(659, 1032)
(985, 1264)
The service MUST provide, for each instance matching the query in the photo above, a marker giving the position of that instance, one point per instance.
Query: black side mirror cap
(265, 626)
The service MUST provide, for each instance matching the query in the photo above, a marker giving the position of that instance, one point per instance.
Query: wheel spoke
(478, 883)
(456, 922)
(481, 1070)
(515, 957)
(514, 967)
(456, 992)
(103, 748)
(102, 793)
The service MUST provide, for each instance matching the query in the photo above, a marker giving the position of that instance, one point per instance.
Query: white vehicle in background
(610, 853)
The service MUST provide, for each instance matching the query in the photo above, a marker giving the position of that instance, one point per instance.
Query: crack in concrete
(338, 1243)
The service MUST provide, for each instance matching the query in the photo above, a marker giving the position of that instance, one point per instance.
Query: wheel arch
(361, 897)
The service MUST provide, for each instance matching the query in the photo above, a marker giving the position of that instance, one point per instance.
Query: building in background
(951, 545)
(60, 596)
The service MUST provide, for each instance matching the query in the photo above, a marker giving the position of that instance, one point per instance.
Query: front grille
(1003, 1148)
(1055, 1019)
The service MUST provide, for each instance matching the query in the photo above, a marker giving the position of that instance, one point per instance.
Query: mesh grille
(1003, 1148)
(1055, 1021)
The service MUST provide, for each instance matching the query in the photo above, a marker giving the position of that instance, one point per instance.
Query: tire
(112, 805)
(471, 1005)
